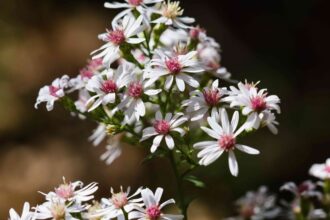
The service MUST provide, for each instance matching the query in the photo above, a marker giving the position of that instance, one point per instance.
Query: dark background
(285, 44)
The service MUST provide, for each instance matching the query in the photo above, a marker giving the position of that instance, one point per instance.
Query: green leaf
(194, 180)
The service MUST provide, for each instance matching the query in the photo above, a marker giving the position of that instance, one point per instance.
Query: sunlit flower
(26, 213)
(153, 207)
(113, 207)
(175, 67)
(140, 5)
(201, 102)
(253, 103)
(74, 191)
(162, 128)
(52, 93)
(225, 134)
(321, 171)
(57, 209)
(171, 13)
(132, 101)
(106, 85)
(121, 33)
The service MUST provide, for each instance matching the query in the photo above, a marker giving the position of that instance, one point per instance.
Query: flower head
(225, 134)
(321, 171)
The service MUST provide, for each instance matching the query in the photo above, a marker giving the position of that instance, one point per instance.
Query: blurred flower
(321, 171)
(26, 213)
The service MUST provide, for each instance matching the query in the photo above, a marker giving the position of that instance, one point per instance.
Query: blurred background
(285, 44)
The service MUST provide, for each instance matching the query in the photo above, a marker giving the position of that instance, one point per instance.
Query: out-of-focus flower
(170, 15)
(321, 171)
(114, 206)
(225, 134)
(26, 213)
(113, 150)
(162, 128)
(52, 93)
(98, 134)
(153, 207)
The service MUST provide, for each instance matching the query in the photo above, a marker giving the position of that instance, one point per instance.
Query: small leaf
(194, 180)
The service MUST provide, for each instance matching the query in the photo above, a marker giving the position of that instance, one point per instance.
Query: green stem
(125, 214)
(183, 206)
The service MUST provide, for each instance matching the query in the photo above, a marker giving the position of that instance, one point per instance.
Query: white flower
(162, 128)
(153, 208)
(132, 100)
(225, 134)
(170, 15)
(106, 86)
(172, 37)
(175, 67)
(113, 150)
(201, 102)
(26, 214)
(321, 171)
(113, 207)
(253, 103)
(140, 5)
(73, 192)
(98, 134)
(120, 34)
(52, 93)
(268, 119)
(58, 209)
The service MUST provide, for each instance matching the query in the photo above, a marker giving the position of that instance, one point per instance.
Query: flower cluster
(158, 82)
(308, 200)
(155, 62)
(73, 201)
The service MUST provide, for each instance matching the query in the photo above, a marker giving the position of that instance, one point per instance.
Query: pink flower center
(227, 142)
(117, 37)
(258, 103)
(135, 2)
(173, 65)
(327, 169)
(119, 200)
(162, 126)
(95, 64)
(153, 212)
(53, 90)
(135, 89)
(211, 96)
(86, 73)
(64, 191)
(109, 86)
(194, 32)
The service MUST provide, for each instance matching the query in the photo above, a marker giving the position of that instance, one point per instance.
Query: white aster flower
(175, 67)
(121, 33)
(130, 5)
(268, 119)
(170, 15)
(132, 101)
(26, 213)
(113, 150)
(172, 37)
(253, 102)
(73, 192)
(153, 207)
(52, 93)
(201, 102)
(225, 134)
(106, 86)
(57, 209)
(113, 207)
(321, 171)
(162, 128)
